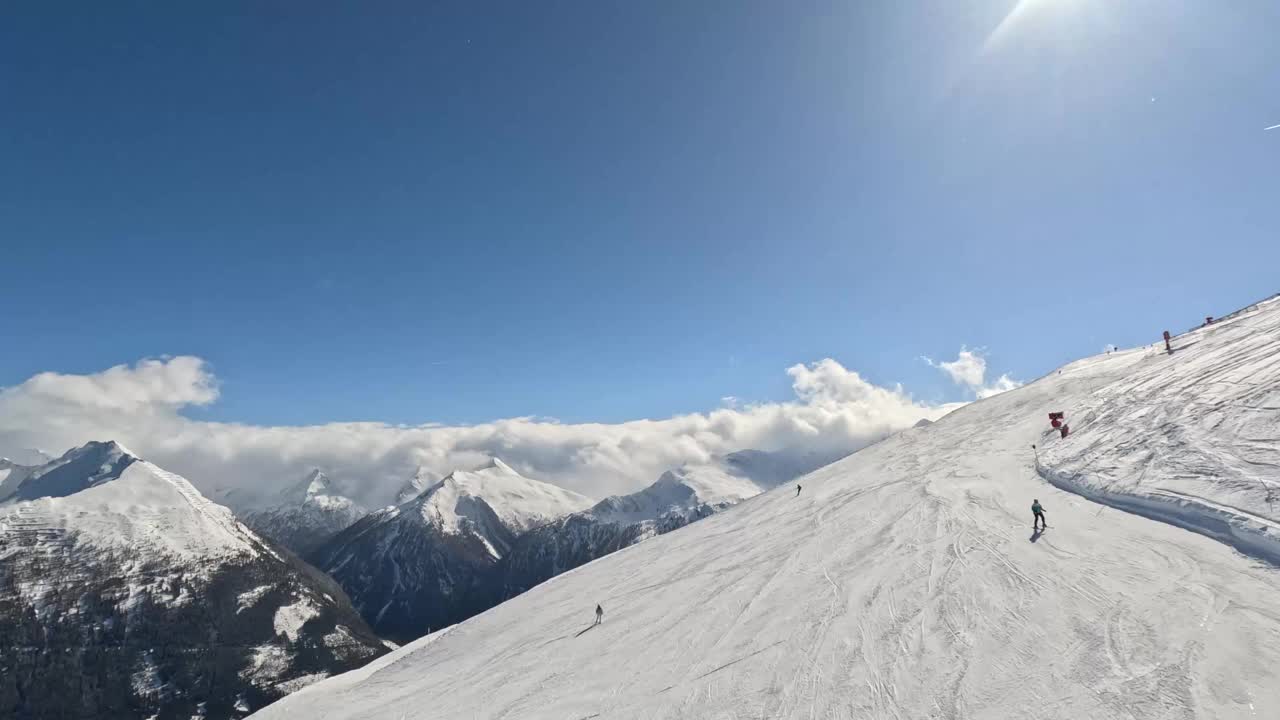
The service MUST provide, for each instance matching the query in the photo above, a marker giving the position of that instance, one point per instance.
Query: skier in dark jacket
(797, 491)
(1037, 520)
(599, 614)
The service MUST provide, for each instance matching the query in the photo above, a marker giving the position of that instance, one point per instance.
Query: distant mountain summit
(126, 593)
(306, 514)
(422, 480)
(426, 563)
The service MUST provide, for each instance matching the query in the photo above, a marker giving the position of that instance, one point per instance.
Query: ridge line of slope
(200, 504)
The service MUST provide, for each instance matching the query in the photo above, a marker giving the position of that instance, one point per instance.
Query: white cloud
(834, 409)
(969, 370)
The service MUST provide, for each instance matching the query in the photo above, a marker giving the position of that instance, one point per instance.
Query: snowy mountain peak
(89, 465)
(306, 514)
(519, 502)
(162, 564)
(421, 480)
(686, 489)
(496, 464)
(694, 490)
(315, 483)
(427, 562)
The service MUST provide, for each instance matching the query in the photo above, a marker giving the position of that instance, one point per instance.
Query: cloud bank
(969, 371)
(834, 410)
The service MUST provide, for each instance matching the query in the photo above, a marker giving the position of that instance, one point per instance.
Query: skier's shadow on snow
(1035, 535)
(589, 628)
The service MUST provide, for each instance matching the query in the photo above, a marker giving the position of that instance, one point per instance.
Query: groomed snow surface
(905, 581)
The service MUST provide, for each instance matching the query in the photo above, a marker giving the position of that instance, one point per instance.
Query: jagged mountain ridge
(125, 593)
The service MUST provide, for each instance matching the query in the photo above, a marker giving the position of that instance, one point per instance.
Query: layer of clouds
(834, 410)
(969, 370)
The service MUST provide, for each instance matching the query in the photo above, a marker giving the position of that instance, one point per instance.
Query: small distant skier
(798, 490)
(1038, 522)
(599, 614)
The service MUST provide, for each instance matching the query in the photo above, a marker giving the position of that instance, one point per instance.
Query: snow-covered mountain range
(426, 563)
(906, 581)
(125, 593)
(464, 543)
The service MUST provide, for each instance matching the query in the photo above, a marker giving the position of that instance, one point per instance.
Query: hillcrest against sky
(606, 211)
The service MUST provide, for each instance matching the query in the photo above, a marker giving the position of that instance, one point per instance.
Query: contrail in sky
(1273, 127)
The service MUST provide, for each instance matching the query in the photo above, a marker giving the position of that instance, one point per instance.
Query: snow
(304, 515)
(708, 487)
(11, 475)
(268, 662)
(905, 581)
(140, 507)
(145, 680)
(1189, 438)
(340, 637)
(295, 684)
(518, 502)
(246, 600)
(93, 464)
(678, 490)
(289, 619)
(421, 480)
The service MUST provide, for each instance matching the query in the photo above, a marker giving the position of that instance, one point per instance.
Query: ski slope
(905, 581)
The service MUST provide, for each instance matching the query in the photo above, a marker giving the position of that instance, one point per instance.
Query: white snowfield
(905, 581)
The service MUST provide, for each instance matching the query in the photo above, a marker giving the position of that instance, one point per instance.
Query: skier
(1037, 512)
(798, 490)
(599, 614)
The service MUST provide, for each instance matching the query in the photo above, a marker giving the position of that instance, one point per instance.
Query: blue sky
(456, 212)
